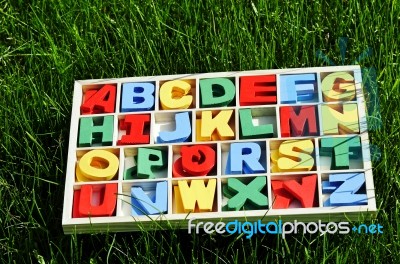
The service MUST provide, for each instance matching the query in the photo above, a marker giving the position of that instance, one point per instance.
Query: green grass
(46, 45)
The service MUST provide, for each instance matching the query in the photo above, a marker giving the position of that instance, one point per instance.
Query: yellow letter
(274, 160)
(186, 197)
(173, 95)
(97, 165)
(338, 86)
(220, 123)
(295, 155)
(340, 119)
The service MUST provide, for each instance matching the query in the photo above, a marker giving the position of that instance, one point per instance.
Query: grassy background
(46, 45)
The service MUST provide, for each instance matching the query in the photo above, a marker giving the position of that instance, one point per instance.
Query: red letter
(198, 159)
(282, 198)
(99, 101)
(135, 126)
(305, 192)
(104, 206)
(257, 90)
(293, 125)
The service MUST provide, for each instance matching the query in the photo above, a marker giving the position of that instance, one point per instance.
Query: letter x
(251, 192)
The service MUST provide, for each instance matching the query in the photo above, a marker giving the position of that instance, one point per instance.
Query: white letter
(198, 226)
(343, 226)
(328, 229)
(207, 227)
(284, 230)
(190, 225)
(220, 227)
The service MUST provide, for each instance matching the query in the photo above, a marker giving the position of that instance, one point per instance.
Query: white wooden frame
(123, 222)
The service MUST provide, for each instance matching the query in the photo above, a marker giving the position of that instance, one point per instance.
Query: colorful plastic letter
(214, 136)
(216, 92)
(346, 189)
(244, 158)
(182, 131)
(282, 197)
(329, 187)
(341, 150)
(302, 124)
(136, 129)
(137, 97)
(295, 155)
(305, 92)
(340, 119)
(304, 192)
(274, 157)
(149, 160)
(96, 200)
(197, 192)
(97, 165)
(175, 95)
(99, 101)
(244, 193)
(220, 123)
(257, 90)
(338, 86)
(297, 87)
(75, 204)
(96, 131)
(249, 131)
(198, 160)
(130, 166)
(177, 169)
(142, 204)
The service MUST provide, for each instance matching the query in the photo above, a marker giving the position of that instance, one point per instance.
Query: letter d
(227, 227)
